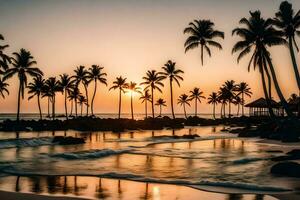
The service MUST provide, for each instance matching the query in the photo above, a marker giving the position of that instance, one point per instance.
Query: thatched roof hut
(260, 107)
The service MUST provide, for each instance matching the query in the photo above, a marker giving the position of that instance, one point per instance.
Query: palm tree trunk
(53, 107)
(48, 106)
(19, 102)
(269, 78)
(120, 96)
(146, 108)
(66, 107)
(152, 102)
(238, 110)
(266, 92)
(172, 107)
(184, 110)
(131, 105)
(160, 110)
(76, 107)
(87, 99)
(221, 111)
(92, 103)
(229, 109)
(202, 54)
(39, 105)
(196, 107)
(278, 90)
(71, 112)
(243, 102)
(294, 62)
(214, 111)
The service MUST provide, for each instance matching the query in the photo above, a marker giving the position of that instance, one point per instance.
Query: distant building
(260, 107)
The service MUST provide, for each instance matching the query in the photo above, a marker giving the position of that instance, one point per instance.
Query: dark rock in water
(274, 151)
(291, 169)
(192, 136)
(294, 152)
(292, 155)
(67, 140)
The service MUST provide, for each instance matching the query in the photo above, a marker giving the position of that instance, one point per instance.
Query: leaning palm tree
(229, 92)
(160, 102)
(170, 71)
(81, 76)
(153, 80)
(73, 95)
(202, 33)
(81, 101)
(22, 66)
(184, 100)
(120, 83)
(133, 88)
(66, 83)
(243, 89)
(213, 99)
(145, 97)
(289, 23)
(196, 94)
(257, 35)
(95, 73)
(53, 86)
(36, 89)
(3, 88)
(4, 59)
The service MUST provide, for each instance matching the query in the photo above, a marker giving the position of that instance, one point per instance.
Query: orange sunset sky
(128, 37)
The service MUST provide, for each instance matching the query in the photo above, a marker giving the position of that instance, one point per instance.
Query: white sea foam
(25, 142)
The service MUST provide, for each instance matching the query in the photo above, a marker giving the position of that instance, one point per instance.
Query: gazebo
(260, 107)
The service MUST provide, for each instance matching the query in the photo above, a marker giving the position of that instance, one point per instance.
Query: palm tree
(81, 76)
(160, 102)
(3, 88)
(81, 101)
(53, 86)
(22, 66)
(153, 80)
(96, 74)
(197, 95)
(145, 98)
(4, 59)
(170, 71)
(202, 33)
(213, 99)
(223, 99)
(133, 88)
(257, 35)
(229, 93)
(238, 101)
(243, 89)
(182, 101)
(46, 93)
(73, 95)
(289, 23)
(35, 89)
(120, 83)
(66, 83)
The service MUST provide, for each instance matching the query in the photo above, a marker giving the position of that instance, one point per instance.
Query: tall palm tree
(53, 86)
(202, 32)
(160, 102)
(81, 76)
(145, 98)
(170, 71)
(243, 89)
(66, 83)
(229, 93)
(182, 101)
(35, 89)
(22, 66)
(213, 99)
(120, 83)
(133, 88)
(153, 80)
(196, 94)
(3, 88)
(73, 96)
(81, 101)
(95, 74)
(46, 93)
(289, 23)
(257, 35)
(223, 99)
(4, 59)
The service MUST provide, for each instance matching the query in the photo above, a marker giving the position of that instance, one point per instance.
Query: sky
(129, 37)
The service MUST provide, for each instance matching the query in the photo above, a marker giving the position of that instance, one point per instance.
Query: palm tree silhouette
(81, 101)
(259, 34)
(95, 73)
(3, 88)
(182, 101)
(53, 86)
(243, 89)
(289, 23)
(202, 33)
(153, 80)
(4, 59)
(73, 95)
(223, 99)
(120, 83)
(133, 88)
(160, 102)
(46, 93)
(145, 98)
(22, 66)
(35, 89)
(213, 99)
(66, 83)
(237, 101)
(81, 76)
(170, 71)
(197, 95)
(229, 93)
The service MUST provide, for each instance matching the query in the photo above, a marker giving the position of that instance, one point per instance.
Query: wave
(25, 142)
(90, 154)
(247, 160)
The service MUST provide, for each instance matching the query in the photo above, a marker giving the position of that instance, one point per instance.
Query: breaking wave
(25, 142)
